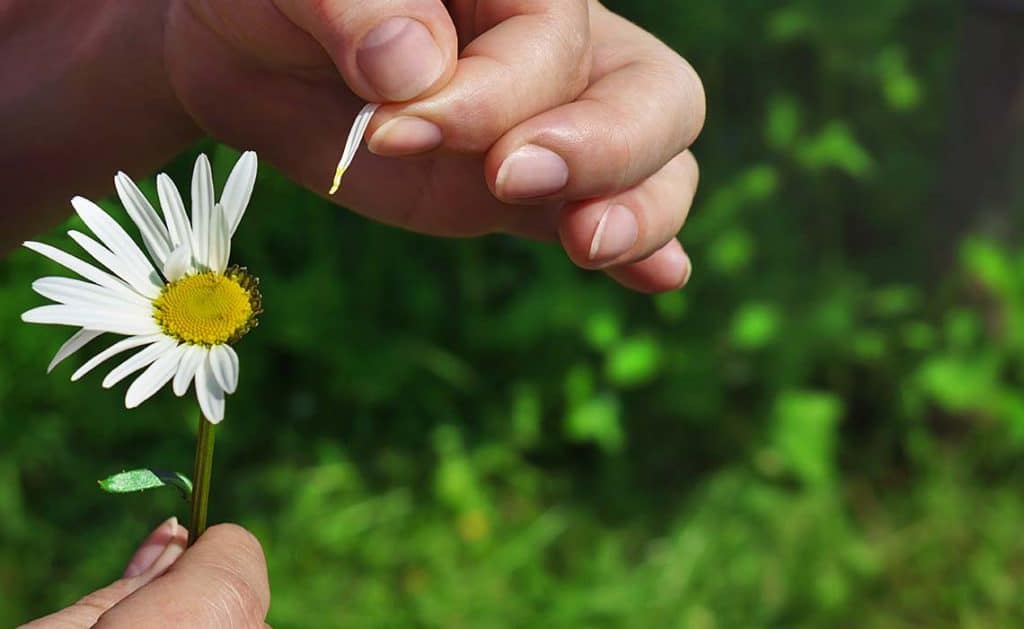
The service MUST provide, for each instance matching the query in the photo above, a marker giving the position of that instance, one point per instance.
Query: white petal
(121, 346)
(66, 290)
(115, 238)
(178, 263)
(93, 318)
(154, 232)
(194, 356)
(209, 393)
(224, 363)
(138, 279)
(355, 137)
(202, 210)
(84, 269)
(220, 242)
(77, 341)
(139, 360)
(174, 211)
(154, 377)
(238, 190)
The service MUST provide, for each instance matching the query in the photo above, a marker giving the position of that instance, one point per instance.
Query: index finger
(220, 582)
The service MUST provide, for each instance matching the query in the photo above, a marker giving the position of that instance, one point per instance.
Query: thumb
(154, 556)
(386, 51)
(220, 582)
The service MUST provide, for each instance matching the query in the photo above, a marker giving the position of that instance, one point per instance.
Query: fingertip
(668, 269)
(164, 535)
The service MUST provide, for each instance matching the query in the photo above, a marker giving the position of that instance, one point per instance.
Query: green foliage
(476, 434)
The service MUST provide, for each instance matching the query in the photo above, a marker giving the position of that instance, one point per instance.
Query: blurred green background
(825, 429)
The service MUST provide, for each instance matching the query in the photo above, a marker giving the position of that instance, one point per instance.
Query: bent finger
(631, 225)
(669, 268)
(645, 105)
(532, 55)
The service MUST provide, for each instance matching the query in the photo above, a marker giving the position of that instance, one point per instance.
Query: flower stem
(201, 479)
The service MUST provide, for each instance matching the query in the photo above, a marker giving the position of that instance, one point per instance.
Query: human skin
(605, 111)
(220, 582)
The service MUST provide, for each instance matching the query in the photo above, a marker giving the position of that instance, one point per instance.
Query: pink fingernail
(616, 233)
(688, 272)
(400, 58)
(152, 547)
(531, 172)
(405, 135)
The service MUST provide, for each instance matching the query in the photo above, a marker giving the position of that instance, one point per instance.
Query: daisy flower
(181, 306)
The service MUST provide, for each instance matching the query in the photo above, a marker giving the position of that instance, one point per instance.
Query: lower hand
(220, 582)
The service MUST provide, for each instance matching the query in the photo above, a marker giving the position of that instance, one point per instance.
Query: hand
(220, 582)
(543, 119)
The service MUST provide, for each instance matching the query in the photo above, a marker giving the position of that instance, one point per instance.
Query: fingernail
(405, 135)
(616, 233)
(400, 58)
(531, 172)
(152, 547)
(688, 272)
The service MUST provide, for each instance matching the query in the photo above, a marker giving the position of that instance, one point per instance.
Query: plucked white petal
(154, 377)
(190, 361)
(80, 267)
(115, 238)
(202, 210)
(137, 361)
(238, 190)
(178, 226)
(220, 241)
(67, 290)
(138, 278)
(93, 318)
(121, 346)
(355, 138)
(224, 363)
(178, 263)
(77, 341)
(209, 393)
(154, 232)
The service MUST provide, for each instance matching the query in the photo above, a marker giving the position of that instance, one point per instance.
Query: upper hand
(606, 110)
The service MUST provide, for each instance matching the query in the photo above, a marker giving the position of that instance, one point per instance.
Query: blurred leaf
(754, 326)
(597, 420)
(731, 252)
(836, 147)
(804, 434)
(602, 329)
(902, 90)
(633, 362)
(783, 123)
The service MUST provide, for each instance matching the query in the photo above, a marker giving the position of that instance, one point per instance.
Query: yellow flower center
(209, 308)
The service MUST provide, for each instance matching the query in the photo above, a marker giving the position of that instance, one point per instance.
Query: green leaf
(143, 479)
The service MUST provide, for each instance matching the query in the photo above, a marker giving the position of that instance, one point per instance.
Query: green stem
(201, 479)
